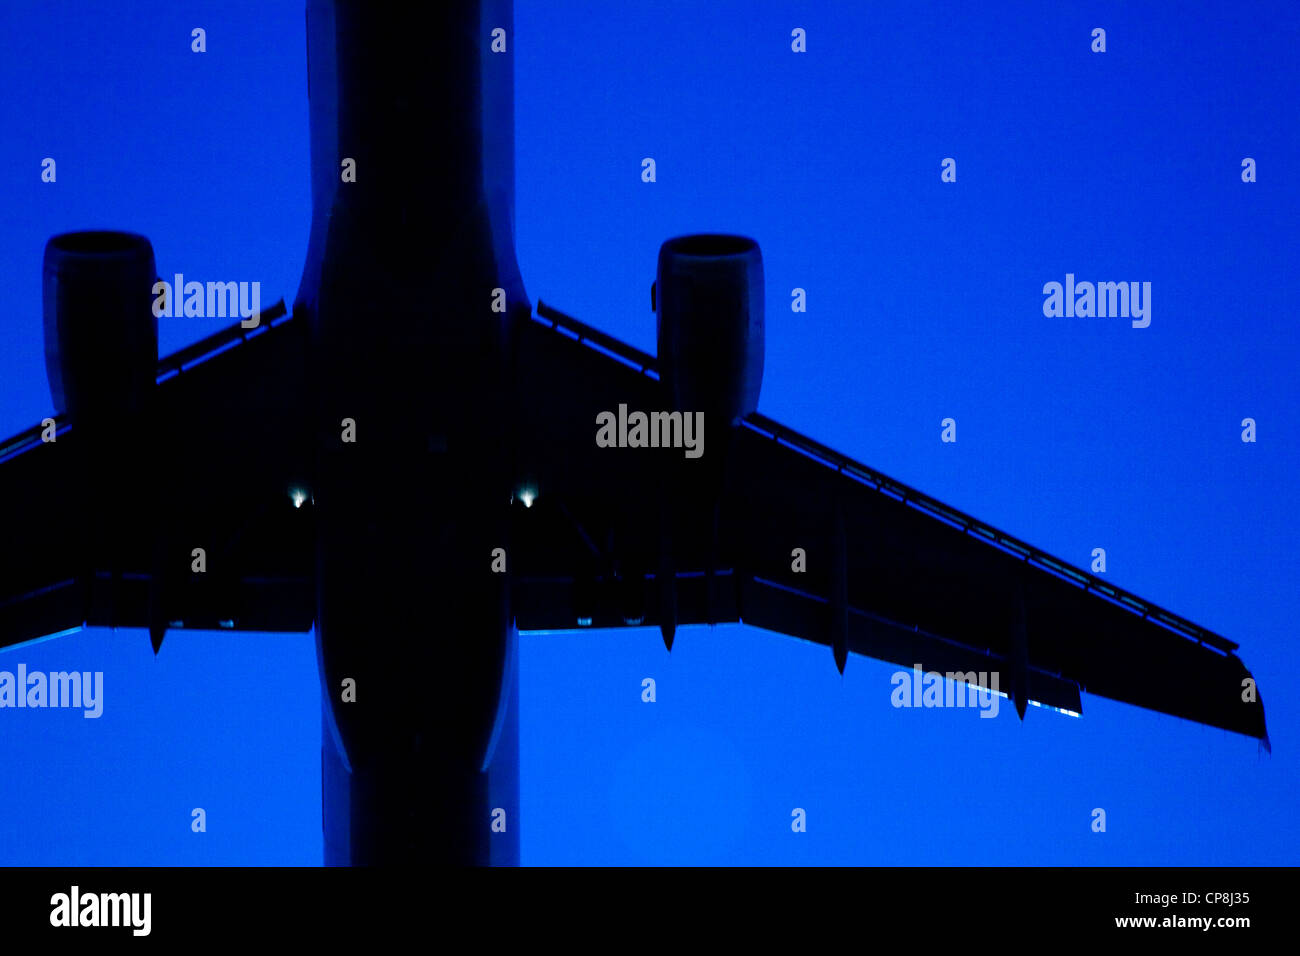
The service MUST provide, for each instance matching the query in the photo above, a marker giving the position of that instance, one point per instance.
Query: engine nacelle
(709, 302)
(101, 336)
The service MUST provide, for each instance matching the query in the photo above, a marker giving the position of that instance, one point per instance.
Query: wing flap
(778, 608)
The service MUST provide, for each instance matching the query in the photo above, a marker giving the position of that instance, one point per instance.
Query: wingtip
(156, 635)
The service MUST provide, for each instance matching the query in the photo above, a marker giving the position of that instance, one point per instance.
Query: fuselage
(409, 289)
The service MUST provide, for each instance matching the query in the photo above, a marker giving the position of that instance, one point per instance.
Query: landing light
(527, 496)
(299, 496)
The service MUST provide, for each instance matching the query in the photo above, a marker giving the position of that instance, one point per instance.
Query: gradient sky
(924, 302)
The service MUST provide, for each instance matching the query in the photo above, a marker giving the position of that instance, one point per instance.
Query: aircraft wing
(811, 544)
(106, 535)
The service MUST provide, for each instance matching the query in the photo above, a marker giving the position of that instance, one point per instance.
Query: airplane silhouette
(414, 440)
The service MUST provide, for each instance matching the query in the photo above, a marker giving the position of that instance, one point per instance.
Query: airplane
(413, 439)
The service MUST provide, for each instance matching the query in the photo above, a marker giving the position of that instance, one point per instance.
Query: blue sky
(924, 302)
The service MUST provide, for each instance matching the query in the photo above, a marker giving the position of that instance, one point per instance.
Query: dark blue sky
(924, 302)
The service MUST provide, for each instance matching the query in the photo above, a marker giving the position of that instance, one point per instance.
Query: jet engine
(101, 336)
(709, 304)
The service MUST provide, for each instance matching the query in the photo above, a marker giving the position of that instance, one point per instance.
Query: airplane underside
(418, 464)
